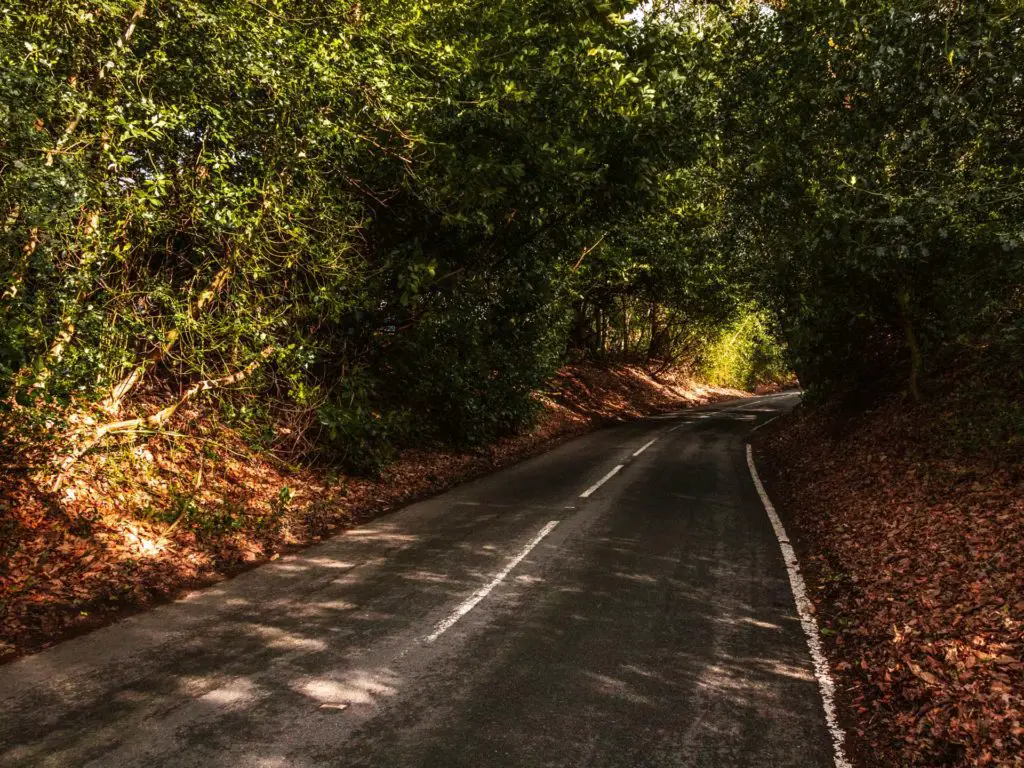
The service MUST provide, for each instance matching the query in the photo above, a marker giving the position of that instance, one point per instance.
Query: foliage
(874, 161)
(744, 355)
(420, 209)
(391, 195)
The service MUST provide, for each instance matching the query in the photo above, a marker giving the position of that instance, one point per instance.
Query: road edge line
(826, 685)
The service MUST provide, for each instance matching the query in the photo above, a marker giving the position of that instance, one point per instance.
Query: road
(508, 622)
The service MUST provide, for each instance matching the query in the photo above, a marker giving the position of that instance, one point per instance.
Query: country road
(618, 601)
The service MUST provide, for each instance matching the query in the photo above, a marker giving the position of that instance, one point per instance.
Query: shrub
(745, 355)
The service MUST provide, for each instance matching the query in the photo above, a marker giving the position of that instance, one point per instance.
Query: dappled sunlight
(641, 578)
(527, 579)
(636, 608)
(358, 687)
(640, 672)
(597, 392)
(269, 762)
(327, 562)
(380, 534)
(776, 667)
(660, 621)
(281, 640)
(237, 692)
(610, 686)
(138, 540)
(186, 685)
(430, 577)
(290, 567)
(760, 624)
(258, 646)
(336, 605)
(489, 551)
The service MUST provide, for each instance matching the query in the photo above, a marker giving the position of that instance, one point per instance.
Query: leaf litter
(915, 554)
(149, 517)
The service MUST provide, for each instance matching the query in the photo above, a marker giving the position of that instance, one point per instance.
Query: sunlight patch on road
(360, 687)
(281, 640)
(239, 691)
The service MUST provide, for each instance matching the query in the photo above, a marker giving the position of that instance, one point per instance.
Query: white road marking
(765, 424)
(645, 447)
(602, 481)
(485, 590)
(804, 608)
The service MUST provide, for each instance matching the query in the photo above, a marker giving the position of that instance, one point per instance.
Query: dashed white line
(602, 481)
(644, 447)
(810, 626)
(763, 424)
(484, 591)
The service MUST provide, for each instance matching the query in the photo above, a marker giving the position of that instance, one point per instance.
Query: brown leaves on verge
(916, 557)
(146, 517)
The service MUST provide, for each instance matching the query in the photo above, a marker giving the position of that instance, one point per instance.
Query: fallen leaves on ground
(141, 520)
(916, 557)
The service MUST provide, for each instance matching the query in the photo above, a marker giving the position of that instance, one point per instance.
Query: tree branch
(154, 420)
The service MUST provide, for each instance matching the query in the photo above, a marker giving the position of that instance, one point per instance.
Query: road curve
(509, 622)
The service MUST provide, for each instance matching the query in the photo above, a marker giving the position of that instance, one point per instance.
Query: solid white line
(804, 608)
(600, 482)
(644, 448)
(484, 591)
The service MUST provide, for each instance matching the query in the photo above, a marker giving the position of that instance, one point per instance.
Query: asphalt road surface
(512, 621)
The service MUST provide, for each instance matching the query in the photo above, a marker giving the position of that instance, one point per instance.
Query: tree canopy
(398, 218)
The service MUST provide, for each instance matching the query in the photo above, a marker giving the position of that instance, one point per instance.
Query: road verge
(913, 548)
(154, 515)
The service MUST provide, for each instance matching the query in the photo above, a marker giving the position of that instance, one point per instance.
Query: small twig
(156, 419)
(587, 251)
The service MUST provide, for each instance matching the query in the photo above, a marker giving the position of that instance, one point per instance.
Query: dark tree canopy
(399, 217)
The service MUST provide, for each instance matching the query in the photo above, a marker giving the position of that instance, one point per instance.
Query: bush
(745, 355)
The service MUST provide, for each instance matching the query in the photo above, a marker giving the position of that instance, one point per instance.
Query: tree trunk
(625, 327)
(912, 344)
(652, 343)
